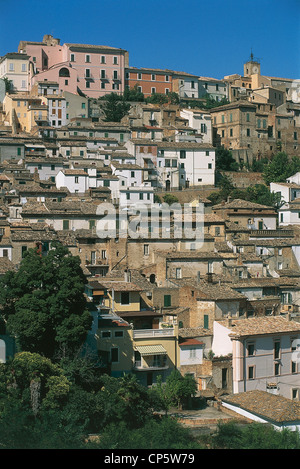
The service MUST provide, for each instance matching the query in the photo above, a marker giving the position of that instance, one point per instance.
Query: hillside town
(219, 302)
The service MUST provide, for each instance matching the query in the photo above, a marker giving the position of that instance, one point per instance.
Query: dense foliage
(43, 302)
(257, 193)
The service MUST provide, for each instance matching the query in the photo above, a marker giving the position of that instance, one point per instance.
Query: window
(119, 334)
(276, 369)
(153, 77)
(139, 76)
(114, 354)
(76, 179)
(248, 117)
(178, 272)
(11, 67)
(192, 353)
(66, 224)
(72, 58)
(146, 249)
(192, 84)
(182, 154)
(115, 60)
(250, 349)
(205, 321)
(115, 74)
(103, 254)
(295, 136)
(125, 298)
(105, 334)
(251, 372)
(167, 301)
(277, 349)
(248, 132)
(153, 90)
(87, 84)
(88, 58)
(103, 59)
(87, 73)
(167, 77)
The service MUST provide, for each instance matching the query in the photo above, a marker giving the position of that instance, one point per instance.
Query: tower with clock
(251, 67)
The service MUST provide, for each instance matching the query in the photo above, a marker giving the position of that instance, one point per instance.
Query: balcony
(151, 366)
(157, 333)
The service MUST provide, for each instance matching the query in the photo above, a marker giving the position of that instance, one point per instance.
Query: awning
(151, 350)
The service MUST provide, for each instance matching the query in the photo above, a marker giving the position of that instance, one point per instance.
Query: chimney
(209, 277)
(127, 275)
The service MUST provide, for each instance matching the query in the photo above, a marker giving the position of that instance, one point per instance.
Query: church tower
(251, 67)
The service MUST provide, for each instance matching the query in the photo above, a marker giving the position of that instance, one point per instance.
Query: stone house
(247, 214)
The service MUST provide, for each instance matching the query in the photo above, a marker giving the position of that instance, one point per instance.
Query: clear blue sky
(203, 37)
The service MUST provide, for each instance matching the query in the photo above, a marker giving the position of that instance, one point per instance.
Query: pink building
(92, 70)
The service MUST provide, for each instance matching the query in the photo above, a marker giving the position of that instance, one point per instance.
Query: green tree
(8, 84)
(225, 160)
(253, 436)
(43, 303)
(124, 399)
(280, 168)
(211, 102)
(176, 390)
(115, 107)
(170, 199)
(133, 94)
(157, 98)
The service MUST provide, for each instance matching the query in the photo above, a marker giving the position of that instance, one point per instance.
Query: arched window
(64, 72)
(152, 278)
(2, 351)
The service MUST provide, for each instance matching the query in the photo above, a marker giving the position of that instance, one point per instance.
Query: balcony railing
(144, 333)
(151, 367)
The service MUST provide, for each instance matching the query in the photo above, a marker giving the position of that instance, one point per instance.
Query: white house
(57, 110)
(195, 162)
(289, 212)
(200, 121)
(75, 180)
(263, 353)
(213, 87)
(191, 353)
(129, 174)
(134, 196)
(46, 167)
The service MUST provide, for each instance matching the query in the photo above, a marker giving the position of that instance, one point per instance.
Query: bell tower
(252, 66)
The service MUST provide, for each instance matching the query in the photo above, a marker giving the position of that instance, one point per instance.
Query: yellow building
(147, 353)
(24, 113)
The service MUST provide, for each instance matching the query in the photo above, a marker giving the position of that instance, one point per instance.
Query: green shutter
(167, 300)
(205, 321)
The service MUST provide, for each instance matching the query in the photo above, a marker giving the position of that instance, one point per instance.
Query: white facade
(260, 359)
(215, 88)
(128, 174)
(134, 196)
(57, 111)
(75, 181)
(195, 164)
(200, 121)
(45, 169)
(15, 67)
(191, 355)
